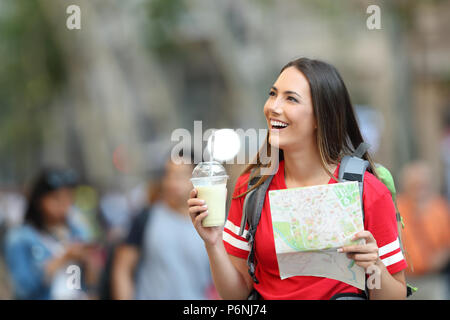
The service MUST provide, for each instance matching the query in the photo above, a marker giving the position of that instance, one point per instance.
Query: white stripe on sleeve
(236, 242)
(393, 259)
(234, 228)
(394, 245)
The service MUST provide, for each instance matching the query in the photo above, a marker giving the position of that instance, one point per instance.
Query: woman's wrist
(378, 263)
(390, 287)
(215, 248)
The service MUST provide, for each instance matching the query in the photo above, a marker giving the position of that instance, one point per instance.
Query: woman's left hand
(364, 255)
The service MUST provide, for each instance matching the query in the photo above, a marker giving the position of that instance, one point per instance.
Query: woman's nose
(276, 107)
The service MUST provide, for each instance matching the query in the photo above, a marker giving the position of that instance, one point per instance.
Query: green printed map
(315, 218)
(307, 221)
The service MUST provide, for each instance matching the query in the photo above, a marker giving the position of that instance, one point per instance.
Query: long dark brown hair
(338, 132)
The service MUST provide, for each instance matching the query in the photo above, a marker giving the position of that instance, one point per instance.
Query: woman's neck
(304, 168)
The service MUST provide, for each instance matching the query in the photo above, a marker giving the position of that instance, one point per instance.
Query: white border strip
(236, 242)
(389, 248)
(235, 229)
(393, 259)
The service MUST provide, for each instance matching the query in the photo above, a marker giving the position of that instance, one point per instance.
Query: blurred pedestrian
(163, 257)
(12, 208)
(38, 252)
(427, 232)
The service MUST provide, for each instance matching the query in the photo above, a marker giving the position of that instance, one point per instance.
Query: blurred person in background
(115, 215)
(163, 257)
(427, 231)
(12, 208)
(38, 252)
(116, 235)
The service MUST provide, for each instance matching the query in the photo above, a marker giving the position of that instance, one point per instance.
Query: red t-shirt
(379, 219)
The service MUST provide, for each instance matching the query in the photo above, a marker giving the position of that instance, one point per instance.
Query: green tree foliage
(31, 71)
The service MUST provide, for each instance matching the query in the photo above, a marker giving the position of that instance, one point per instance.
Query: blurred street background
(102, 102)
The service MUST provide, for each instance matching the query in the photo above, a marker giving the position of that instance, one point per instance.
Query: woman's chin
(275, 142)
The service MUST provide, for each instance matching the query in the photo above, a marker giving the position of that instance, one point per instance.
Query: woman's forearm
(227, 273)
(381, 284)
(229, 282)
(390, 288)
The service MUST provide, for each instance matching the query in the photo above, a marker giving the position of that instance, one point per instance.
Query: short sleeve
(380, 220)
(235, 244)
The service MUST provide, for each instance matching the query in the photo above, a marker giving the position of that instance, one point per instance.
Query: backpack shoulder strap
(251, 214)
(248, 201)
(353, 168)
(248, 208)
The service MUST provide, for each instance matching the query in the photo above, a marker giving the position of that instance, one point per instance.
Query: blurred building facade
(112, 91)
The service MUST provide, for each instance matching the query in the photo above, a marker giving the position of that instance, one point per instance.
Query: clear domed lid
(211, 172)
(209, 169)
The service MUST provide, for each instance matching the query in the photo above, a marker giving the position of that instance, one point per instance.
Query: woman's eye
(292, 99)
(272, 93)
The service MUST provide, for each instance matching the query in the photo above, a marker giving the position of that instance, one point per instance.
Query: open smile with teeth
(278, 124)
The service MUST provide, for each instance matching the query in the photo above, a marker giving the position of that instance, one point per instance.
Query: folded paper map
(310, 223)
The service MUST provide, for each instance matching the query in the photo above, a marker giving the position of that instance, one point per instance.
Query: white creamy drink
(215, 197)
(210, 180)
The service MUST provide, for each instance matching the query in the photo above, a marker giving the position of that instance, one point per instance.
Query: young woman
(38, 252)
(312, 125)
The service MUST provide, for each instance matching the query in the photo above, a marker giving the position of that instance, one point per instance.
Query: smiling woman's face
(289, 111)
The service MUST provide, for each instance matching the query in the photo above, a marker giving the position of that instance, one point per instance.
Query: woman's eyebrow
(287, 92)
(293, 92)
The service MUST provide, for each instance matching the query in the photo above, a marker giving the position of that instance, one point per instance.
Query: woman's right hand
(198, 211)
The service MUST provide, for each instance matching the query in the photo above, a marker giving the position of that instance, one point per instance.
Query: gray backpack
(352, 168)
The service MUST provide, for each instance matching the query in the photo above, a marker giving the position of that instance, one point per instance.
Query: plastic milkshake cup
(210, 180)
